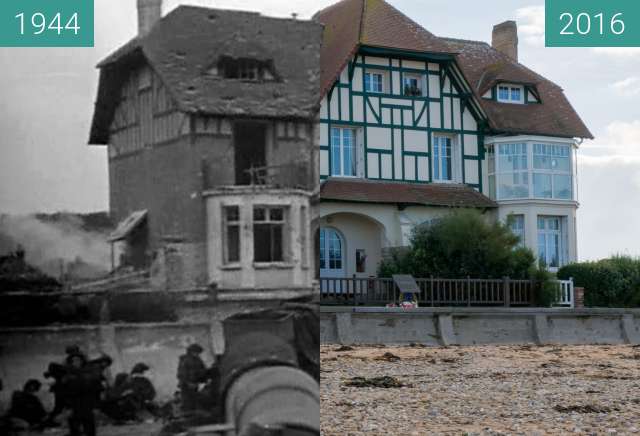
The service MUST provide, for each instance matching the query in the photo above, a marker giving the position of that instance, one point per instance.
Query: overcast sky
(47, 96)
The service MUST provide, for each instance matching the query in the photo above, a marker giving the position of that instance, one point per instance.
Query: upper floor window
(530, 170)
(373, 82)
(343, 152)
(412, 85)
(511, 93)
(442, 158)
(268, 233)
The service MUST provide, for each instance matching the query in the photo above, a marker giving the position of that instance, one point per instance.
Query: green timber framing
(459, 89)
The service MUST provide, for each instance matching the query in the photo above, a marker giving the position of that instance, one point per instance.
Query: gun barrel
(277, 399)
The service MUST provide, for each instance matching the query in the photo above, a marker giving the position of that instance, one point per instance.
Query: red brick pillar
(578, 295)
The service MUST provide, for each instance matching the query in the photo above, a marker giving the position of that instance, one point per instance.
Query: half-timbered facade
(210, 119)
(412, 124)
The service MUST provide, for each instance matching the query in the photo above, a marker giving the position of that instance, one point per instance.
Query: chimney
(505, 39)
(149, 13)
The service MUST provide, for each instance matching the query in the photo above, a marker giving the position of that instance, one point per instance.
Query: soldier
(26, 405)
(191, 372)
(57, 372)
(83, 383)
(143, 390)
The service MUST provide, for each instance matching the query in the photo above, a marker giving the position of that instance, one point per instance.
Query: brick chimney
(149, 13)
(505, 39)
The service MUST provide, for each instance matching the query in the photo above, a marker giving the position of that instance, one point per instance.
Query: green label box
(46, 23)
(592, 23)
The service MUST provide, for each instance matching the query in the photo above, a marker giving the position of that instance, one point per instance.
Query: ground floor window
(516, 224)
(551, 243)
(268, 233)
(331, 252)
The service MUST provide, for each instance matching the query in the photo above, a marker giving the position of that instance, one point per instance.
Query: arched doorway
(332, 253)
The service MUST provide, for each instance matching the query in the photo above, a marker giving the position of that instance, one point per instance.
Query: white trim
(524, 138)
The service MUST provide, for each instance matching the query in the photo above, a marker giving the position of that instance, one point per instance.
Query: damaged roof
(185, 45)
(432, 194)
(352, 23)
(485, 66)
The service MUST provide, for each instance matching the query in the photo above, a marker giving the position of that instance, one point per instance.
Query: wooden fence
(439, 292)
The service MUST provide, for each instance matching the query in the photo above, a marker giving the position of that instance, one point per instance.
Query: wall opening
(250, 152)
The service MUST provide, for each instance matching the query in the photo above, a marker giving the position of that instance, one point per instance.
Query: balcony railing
(440, 292)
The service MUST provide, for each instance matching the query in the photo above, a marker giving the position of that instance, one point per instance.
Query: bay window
(530, 170)
(516, 224)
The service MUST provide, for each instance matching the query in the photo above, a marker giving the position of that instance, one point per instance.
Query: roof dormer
(512, 93)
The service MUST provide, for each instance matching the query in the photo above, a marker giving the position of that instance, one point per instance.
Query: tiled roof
(432, 194)
(485, 66)
(351, 23)
(183, 46)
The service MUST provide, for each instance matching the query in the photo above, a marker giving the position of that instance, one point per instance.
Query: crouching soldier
(143, 391)
(191, 372)
(26, 406)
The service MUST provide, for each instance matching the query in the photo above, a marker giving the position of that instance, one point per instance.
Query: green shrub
(462, 244)
(613, 282)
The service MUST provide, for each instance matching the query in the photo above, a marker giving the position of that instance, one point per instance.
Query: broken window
(268, 233)
(246, 69)
(232, 234)
(250, 152)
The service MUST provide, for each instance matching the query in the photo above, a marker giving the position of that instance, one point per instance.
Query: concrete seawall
(476, 326)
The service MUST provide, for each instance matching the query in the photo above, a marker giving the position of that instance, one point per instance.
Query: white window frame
(517, 224)
(419, 78)
(371, 73)
(226, 223)
(268, 221)
(547, 233)
(494, 170)
(455, 160)
(341, 148)
(510, 91)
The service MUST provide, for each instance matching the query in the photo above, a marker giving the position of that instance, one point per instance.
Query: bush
(461, 244)
(613, 282)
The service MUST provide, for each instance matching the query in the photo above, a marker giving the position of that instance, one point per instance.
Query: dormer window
(245, 69)
(511, 93)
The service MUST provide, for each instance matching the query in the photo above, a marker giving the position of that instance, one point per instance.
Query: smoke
(51, 244)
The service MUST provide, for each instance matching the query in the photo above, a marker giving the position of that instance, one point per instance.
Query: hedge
(613, 282)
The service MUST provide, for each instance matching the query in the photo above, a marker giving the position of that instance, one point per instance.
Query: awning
(126, 226)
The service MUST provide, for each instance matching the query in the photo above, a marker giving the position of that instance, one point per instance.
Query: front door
(331, 259)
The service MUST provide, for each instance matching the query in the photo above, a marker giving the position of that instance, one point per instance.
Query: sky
(47, 97)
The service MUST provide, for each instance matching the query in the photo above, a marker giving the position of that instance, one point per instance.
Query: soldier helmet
(140, 368)
(194, 348)
(32, 385)
(73, 349)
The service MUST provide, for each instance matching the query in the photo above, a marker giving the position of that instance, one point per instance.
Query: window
(268, 233)
(530, 170)
(516, 224)
(412, 85)
(552, 171)
(245, 69)
(513, 175)
(551, 241)
(373, 82)
(330, 253)
(442, 158)
(231, 217)
(510, 93)
(343, 152)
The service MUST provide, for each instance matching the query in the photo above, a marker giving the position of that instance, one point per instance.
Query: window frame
(495, 172)
(272, 222)
(518, 218)
(547, 232)
(368, 82)
(341, 148)
(226, 223)
(510, 88)
(455, 161)
(419, 78)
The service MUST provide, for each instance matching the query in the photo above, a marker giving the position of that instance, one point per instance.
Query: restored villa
(412, 124)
